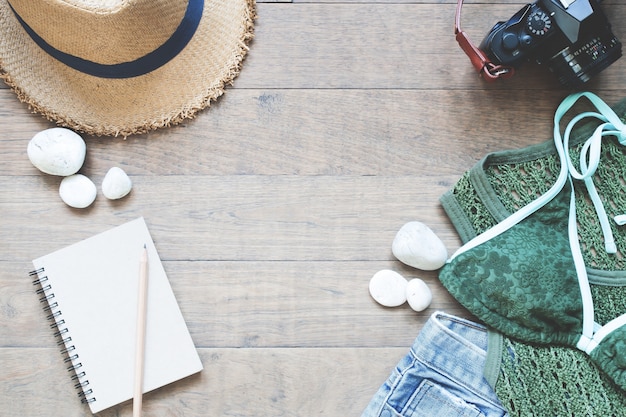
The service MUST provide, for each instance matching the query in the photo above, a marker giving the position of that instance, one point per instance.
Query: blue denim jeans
(441, 376)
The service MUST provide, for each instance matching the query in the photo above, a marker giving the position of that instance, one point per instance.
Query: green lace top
(521, 372)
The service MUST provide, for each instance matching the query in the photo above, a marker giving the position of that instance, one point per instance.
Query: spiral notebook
(89, 291)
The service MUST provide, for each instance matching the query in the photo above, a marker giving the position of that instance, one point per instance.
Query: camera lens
(578, 63)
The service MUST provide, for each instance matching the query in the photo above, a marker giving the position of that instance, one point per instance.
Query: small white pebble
(77, 191)
(418, 246)
(418, 294)
(116, 184)
(388, 288)
(57, 151)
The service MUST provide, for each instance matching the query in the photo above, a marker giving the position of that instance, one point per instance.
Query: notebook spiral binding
(62, 333)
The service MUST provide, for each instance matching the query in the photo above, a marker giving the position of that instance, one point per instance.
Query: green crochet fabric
(549, 380)
(554, 382)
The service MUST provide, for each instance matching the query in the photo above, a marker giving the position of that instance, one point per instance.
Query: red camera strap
(487, 69)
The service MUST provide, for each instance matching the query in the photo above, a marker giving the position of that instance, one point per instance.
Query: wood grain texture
(235, 382)
(272, 209)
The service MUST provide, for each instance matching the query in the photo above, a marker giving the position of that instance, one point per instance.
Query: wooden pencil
(141, 333)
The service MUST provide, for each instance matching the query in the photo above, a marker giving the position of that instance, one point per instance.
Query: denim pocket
(429, 400)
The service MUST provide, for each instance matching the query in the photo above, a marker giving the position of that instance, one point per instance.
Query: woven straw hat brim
(164, 97)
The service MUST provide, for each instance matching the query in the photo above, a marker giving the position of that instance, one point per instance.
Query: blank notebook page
(93, 292)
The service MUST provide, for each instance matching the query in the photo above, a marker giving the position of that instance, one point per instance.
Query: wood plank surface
(235, 382)
(273, 208)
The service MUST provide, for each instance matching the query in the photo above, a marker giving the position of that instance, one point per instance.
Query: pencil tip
(144, 246)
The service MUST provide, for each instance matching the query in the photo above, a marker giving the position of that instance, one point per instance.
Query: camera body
(573, 38)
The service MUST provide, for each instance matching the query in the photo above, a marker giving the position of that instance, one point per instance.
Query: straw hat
(120, 67)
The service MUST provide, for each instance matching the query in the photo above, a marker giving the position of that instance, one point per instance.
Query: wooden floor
(273, 208)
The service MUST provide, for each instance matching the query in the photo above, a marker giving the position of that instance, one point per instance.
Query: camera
(573, 38)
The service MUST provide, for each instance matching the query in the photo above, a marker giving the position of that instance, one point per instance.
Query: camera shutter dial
(539, 23)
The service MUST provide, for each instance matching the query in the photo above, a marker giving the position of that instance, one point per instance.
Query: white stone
(77, 191)
(388, 288)
(57, 151)
(116, 184)
(418, 294)
(418, 246)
